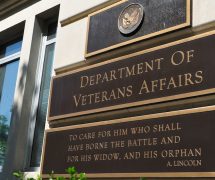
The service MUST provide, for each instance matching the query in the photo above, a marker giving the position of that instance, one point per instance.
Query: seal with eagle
(130, 18)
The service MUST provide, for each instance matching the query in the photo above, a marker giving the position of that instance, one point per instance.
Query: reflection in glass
(42, 106)
(49, 47)
(8, 74)
(11, 48)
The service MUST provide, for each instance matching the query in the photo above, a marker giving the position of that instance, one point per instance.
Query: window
(47, 64)
(9, 62)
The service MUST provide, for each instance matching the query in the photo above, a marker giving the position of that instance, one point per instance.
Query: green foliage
(74, 174)
(71, 171)
(19, 175)
(4, 128)
(142, 178)
(60, 178)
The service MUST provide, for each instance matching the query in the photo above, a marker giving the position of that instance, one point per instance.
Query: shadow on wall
(21, 130)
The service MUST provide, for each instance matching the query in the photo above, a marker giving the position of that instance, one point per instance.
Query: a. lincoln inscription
(173, 142)
(176, 70)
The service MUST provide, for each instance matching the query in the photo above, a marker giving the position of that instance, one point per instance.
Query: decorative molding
(84, 14)
(9, 5)
(107, 37)
(61, 84)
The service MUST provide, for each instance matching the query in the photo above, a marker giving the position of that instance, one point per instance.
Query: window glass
(8, 74)
(42, 106)
(43, 96)
(11, 48)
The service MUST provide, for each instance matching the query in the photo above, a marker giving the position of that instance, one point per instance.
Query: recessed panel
(177, 70)
(178, 144)
(134, 20)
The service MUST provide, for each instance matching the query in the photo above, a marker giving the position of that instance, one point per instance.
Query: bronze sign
(122, 23)
(130, 18)
(177, 144)
(177, 70)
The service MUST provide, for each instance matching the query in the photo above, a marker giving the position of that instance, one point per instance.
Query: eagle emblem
(130, 18)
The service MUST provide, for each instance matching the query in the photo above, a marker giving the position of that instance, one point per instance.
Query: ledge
(7, 6)
(85, 13)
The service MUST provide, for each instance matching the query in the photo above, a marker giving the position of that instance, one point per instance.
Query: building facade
(40, 39)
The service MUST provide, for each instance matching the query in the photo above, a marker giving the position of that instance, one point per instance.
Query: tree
(4, 128)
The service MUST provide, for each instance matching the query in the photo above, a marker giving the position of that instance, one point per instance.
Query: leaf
(17, 174)
(82, 176)
(71, 170)
(39, 178)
